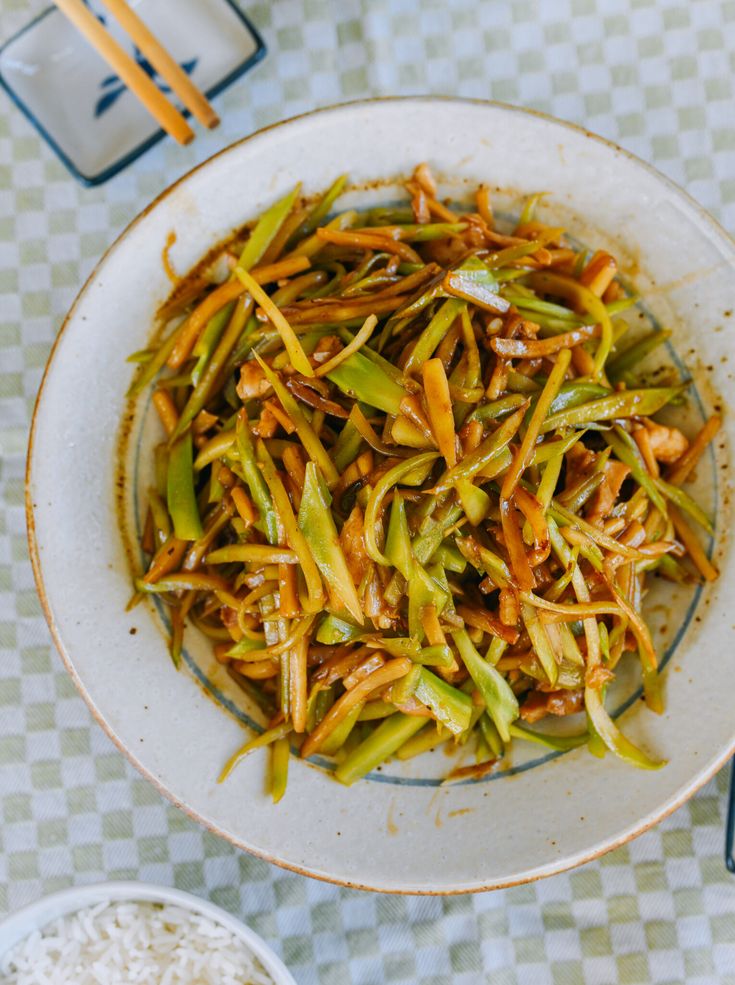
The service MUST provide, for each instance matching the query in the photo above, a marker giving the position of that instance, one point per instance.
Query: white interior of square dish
(75, 96)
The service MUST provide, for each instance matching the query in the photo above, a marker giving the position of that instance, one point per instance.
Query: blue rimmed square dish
(80, 106)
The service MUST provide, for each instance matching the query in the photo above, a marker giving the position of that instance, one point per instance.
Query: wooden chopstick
(189, 94)
(129, 71)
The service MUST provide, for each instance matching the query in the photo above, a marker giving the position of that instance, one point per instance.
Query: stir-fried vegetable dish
(412, 483)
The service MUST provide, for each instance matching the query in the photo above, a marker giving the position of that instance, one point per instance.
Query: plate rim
(668, 807)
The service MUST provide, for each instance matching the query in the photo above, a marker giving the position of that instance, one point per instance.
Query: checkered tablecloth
(655, 76)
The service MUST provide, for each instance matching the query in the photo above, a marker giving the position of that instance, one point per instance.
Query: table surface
(657, 77)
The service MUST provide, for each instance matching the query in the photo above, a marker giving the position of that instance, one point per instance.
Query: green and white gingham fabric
(654, 75)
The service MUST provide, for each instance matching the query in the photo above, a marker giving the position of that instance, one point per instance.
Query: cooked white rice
(126, 943)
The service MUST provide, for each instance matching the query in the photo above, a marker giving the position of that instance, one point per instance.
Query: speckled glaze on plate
(400, 830)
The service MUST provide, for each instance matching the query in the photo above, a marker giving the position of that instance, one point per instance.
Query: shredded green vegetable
(412, 485)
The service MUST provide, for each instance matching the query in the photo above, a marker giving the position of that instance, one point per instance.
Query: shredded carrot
(369, 241)
(168, 557)
(514, 543)
(166, 410)
(436, 389)
(198, 319)
(642, 438)
(277, 271)
(280, 415)
(681, 470)
(599, 273)
(389, 672)
(297, 683)
(288, 591)
(689, 539)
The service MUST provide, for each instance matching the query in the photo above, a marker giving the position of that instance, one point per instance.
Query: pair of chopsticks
(167, 115)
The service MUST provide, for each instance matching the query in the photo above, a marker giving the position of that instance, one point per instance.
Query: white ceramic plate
(47, 910)
(399, 830)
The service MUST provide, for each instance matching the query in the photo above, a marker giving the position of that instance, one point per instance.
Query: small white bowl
(46, 910)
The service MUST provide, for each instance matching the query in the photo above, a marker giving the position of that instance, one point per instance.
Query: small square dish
(80, 106)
